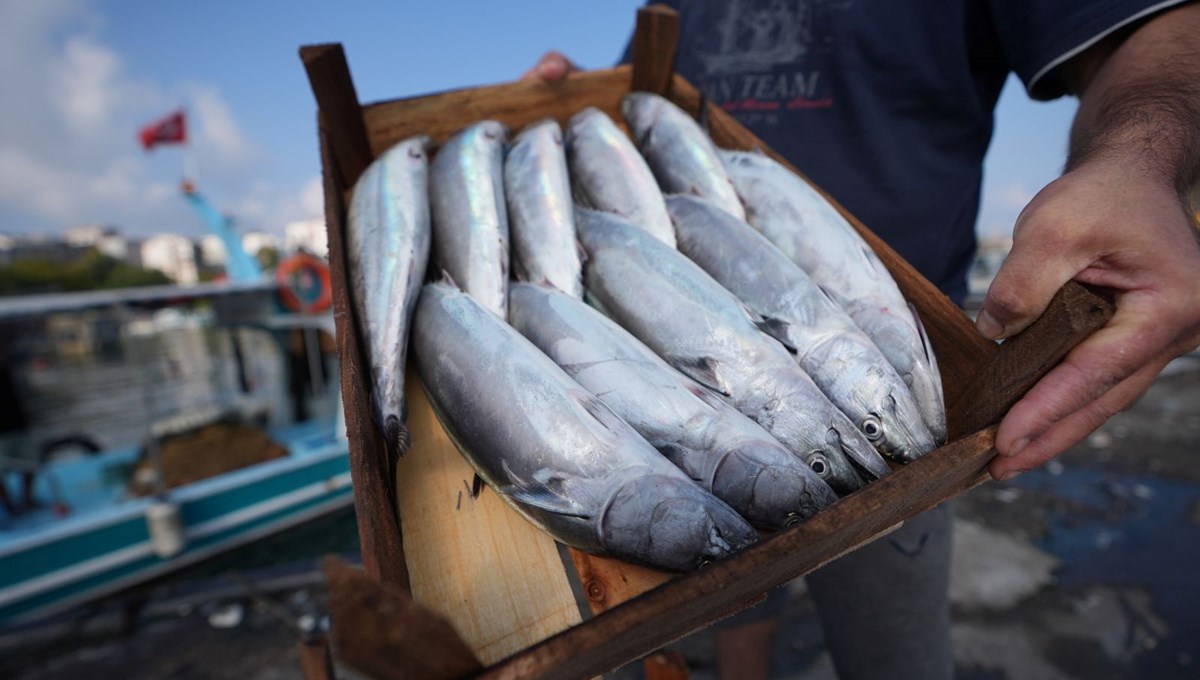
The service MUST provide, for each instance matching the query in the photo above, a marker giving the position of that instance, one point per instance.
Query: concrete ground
(1080, 570)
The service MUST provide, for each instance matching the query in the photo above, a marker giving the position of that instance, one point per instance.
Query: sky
(79, 77)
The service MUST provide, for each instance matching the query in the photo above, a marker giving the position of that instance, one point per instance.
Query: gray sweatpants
(885, 609)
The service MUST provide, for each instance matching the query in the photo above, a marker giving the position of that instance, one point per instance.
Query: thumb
(1030, 276)
(552, 67)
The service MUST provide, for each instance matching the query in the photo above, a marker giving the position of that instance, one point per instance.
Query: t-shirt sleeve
(1038, 36)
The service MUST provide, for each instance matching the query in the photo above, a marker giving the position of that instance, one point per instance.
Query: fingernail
(1010, 475)
(1016, 448)
(988, 326)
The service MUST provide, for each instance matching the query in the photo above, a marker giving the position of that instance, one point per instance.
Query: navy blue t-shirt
(887, 104)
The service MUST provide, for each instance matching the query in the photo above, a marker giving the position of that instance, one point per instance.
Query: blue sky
(79, 77)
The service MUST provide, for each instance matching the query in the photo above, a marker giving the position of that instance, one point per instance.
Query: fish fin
(926, 345)
(703, 118)
(547, 492)
(598, 410)
(581, 252)
(701, 369)
(447, 279)
(832, 297)
(705, 395)
(778, 329)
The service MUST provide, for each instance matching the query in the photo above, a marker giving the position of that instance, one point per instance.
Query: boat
(122, 386)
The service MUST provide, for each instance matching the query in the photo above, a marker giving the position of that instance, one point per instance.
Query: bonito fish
(540, 211)
(840, 359)
(714, 444)
(556, 453)
(680, 153)
(608, 173)
(387, 245)
(801, 223)
(470, 217)
(687, 318)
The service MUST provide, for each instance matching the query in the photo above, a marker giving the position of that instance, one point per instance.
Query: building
(212, 251)
(174, 256)
(104, 238)
(255, 241)
(307, 235)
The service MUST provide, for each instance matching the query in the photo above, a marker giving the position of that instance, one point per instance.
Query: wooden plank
(515, 104)
(490, 572)
(607, 583)
(315, 661)
(375, 513)
(654, 42)
(380, 631)
(341, 115)
(1073, 314)
(685, 604)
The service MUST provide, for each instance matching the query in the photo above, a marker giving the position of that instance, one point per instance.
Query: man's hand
(552, 68)
(1118, 219)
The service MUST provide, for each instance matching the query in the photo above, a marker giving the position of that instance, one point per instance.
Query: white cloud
(68, 153)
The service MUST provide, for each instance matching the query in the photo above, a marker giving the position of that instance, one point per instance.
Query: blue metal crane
(239, 265)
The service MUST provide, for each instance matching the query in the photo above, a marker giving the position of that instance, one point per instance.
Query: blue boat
(105, 518)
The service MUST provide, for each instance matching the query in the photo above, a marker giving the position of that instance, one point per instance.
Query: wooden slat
(654, 43)
(341, 115)
(378, 528)
(514, 104)
(495, 576)
(1073, 314)
(685, 604)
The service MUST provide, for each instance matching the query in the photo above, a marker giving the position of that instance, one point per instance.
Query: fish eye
(819, 464)
(872, 428)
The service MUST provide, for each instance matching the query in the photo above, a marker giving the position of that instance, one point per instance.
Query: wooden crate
(490, 573)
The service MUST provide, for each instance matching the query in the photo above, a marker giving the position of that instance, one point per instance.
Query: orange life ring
(304, 284)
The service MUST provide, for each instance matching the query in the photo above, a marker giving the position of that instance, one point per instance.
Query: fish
(687, 318)
(608, 173)
(387, 247)
(810, 231)
(681, 155)
(831, 349)
(541, 214)
(470, 215)
(715, 445)
(553, 451)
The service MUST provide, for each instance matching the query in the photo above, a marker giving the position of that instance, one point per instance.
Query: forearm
(1140, 101)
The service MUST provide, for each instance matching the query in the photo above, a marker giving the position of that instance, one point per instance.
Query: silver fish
(556, 453)
(687, 318)
(608, 173)
(470, 218)
(680, 153)
(387, 245)
(840, 359)
(801, 223)
(540, 211)
(715, 445)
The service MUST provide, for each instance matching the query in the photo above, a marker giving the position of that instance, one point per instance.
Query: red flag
(169, 130)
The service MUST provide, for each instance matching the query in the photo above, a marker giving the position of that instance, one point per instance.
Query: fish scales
(723, 450)
(541, 213)
(835, 353)
(801, 223)
(608, 174)
(387, 238)
(681, 155)
(470, 216)
(553, 451)
(701, 329)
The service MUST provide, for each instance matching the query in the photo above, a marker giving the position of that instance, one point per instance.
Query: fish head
(895, 427)
(775, 495)
(671, 523)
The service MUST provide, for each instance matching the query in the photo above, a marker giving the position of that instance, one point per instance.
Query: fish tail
(398, 437)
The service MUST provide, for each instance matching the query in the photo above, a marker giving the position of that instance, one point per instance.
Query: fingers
(1029, 277)
(1106, 359)
(1075, 427)
(553, 67)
